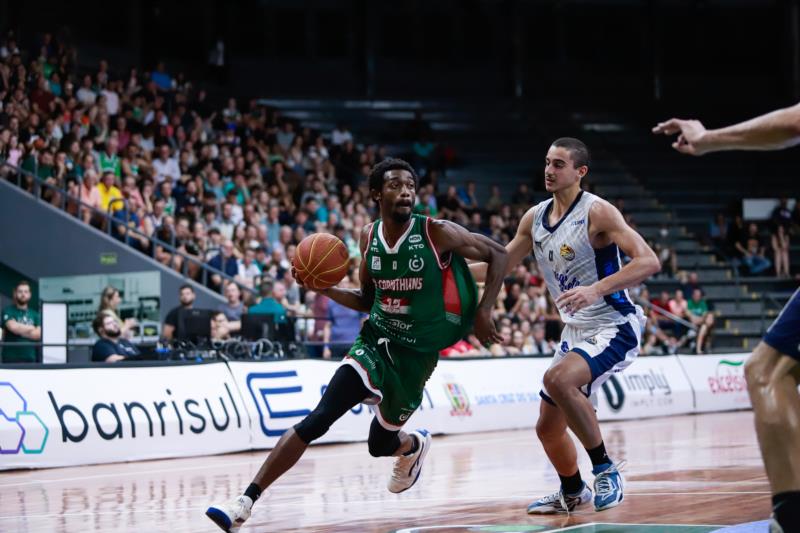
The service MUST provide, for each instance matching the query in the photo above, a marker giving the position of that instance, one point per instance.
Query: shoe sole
(219, 518)
(557, 511)
(425, 448)
(609, 506)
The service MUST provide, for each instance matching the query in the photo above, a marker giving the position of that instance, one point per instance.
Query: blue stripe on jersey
(617, 349)
(607, 262)
(784, 333)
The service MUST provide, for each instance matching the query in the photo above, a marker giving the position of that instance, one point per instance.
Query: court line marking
(579, 526)
(365, 502)
(228, 465)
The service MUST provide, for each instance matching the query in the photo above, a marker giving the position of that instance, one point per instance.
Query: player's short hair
(578, 150)
(390, 163)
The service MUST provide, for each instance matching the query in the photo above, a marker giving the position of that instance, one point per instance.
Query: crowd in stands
(236, 186)
(757, 249)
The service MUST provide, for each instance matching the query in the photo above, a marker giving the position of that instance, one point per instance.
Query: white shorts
(607, 349)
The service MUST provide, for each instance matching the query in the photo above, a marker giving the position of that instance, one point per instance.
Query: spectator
(754, 256)
(781, 215)
(248, 270)
(21, 324)
(718, 232)
(540, 345)
(342, 326)
(221, 327)
(111, 347)
(224, 261)
(173, 329)
(90, 196)
(110, 301)
(233, 306)
(340, 135)
(273, 302)
(110, 196)
(780, 250)
(165, 168)
(700, 315)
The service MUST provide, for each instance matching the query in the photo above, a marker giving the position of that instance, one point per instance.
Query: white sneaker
(558, 502)
(408, 467)
(230, 515)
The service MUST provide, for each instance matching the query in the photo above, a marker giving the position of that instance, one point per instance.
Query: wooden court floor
(682, 471)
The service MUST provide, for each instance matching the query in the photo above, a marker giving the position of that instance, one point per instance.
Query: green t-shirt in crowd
(697, 308)
(26, 317)
(269, 306)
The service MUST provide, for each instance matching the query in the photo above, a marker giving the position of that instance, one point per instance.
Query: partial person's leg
(344, 391)
(772, 380)
(383, 442)
(563, 382)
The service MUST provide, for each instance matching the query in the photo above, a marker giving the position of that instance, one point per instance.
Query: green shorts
(396, 375)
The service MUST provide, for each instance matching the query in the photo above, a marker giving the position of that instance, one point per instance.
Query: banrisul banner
(651, 386)
(718, 381)
(60, 417)
(461, 396)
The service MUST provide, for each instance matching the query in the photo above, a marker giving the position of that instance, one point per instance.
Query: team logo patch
(458, 399)
(567, 252)
(374, 242)
(376, 262)
(416, 264)
(564, 347)
(415, 239)
(592, 340)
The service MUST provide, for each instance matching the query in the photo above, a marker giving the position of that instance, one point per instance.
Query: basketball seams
(324, 257)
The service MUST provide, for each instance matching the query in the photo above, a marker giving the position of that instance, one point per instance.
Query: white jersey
(566, 259)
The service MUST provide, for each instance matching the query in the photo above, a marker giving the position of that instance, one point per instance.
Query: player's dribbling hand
(690, 135)
(576, 299)
(484, 328)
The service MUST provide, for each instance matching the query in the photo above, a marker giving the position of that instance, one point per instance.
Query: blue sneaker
(608, 485)
(558, 502)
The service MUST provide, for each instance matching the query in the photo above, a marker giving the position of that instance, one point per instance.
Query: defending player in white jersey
(575, 238)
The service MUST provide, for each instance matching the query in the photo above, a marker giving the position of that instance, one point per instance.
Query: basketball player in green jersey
(421, 298)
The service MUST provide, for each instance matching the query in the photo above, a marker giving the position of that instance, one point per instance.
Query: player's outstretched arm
(356, 299)
(450, 237)
(605, 218)
(519, 248)
(773, 131)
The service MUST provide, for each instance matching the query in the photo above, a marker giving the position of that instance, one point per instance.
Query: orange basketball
(321, 261)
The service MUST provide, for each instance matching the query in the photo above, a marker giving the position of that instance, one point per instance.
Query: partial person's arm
(605, 218)
(23, 330)
(450, 237)
(357, 299)
(774, 131)
(518, 249)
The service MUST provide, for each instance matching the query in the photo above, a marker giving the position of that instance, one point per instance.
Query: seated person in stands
(220, 327)
(699, 314)
(110, 347)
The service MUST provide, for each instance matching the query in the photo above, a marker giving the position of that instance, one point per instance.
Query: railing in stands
(666, 314)
(110, 223)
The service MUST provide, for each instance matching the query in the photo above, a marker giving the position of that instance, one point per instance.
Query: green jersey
(423, 301)
(19, 354)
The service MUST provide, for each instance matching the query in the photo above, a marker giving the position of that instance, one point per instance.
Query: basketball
(321, 261)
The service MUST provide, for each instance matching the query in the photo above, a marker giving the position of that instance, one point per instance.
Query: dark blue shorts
(784, 333)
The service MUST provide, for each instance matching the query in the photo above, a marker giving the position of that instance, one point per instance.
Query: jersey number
(550, 255)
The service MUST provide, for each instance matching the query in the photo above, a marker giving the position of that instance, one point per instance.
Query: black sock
(414, 445)
(253, 492)
(571, 484)
(786, 508)
(598, 455)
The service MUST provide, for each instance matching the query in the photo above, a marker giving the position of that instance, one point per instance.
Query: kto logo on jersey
(566, 252)
(415, 239)
(416, 264)
(458, 399)
(22, 430)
